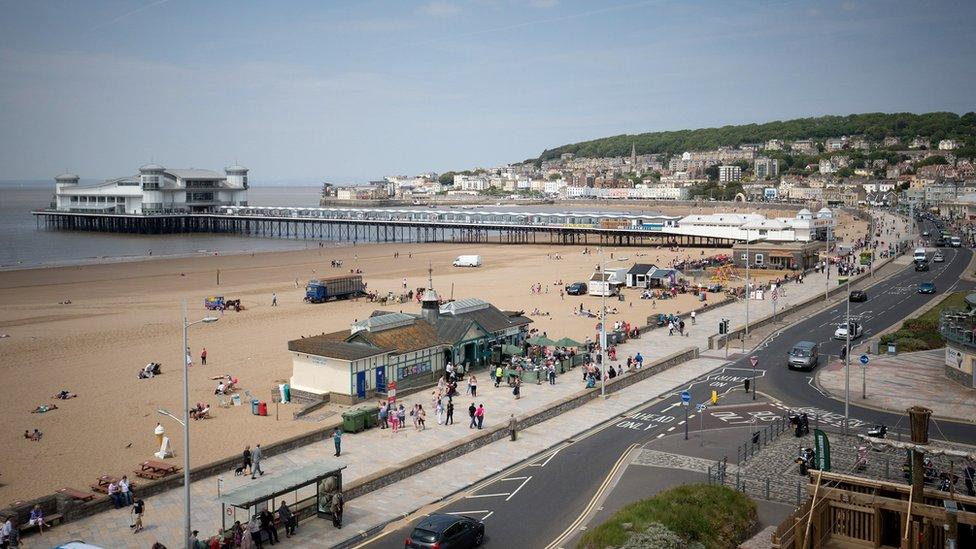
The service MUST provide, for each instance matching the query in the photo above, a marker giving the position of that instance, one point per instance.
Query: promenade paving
(895, 383)
(371, 451)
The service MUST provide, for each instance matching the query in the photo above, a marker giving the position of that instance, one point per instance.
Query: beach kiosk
(308, 490)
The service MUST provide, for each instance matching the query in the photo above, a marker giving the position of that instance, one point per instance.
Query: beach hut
(637, 276)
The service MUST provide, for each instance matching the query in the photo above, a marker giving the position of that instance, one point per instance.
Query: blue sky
(347, 91)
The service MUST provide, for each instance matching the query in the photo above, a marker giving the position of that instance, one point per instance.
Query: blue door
(361, 384)
(381, 379)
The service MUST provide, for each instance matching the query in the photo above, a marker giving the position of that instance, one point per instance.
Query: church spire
(633, 157)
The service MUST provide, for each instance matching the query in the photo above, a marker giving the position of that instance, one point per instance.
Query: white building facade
(154, 190)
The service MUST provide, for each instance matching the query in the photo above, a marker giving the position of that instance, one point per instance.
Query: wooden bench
(76, 494)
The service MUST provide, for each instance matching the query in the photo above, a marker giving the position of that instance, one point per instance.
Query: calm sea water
(22, 244)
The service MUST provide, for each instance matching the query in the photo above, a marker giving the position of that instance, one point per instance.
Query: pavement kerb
(580, 435)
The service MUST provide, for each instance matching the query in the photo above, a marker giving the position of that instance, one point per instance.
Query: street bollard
(738, 453)
(816, 421)
(767, 487)
(709, 474)
(798, 488)
(737, 480)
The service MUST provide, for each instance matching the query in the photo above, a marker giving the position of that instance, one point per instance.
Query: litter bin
(254, 407)
(352, 421)
(892, 349)
(370, 416)
(262, 408)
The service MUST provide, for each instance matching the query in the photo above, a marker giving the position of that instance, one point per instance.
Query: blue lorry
(334, 287)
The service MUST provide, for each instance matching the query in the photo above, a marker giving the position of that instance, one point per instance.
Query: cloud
(440, 8)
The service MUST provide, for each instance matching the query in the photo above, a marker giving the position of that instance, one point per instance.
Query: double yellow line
(571, 529)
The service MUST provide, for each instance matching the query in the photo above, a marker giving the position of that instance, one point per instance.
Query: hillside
(874, 126)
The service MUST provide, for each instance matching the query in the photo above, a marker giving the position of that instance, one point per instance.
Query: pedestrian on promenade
(693, 318)
(394, 420)
(138, 508)
(552, 374)
(337, 440)
(439, 412)
(203, 357)
(194, 541)
(512, 426)
(639, 360)
(681, 327)
(480, 415)
(336, 507)
(287, 519)
(125, 491)
(254, 529)
(745, 384)
(268, 525)
(383, 414)
(402, 416)
(473, 382)
(499, 371)
(274, 299)
(517, 390)
(471, 412)
(256, 461)
(450, 412)
(421, 417)
(246, 467)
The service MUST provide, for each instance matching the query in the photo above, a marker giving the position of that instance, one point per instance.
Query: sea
(24, 244)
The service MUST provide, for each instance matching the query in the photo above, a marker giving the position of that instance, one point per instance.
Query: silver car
(803, 356)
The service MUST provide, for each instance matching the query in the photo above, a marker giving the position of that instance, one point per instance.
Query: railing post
(737, 479)
(798, 487)
(709, 475)
(767, 488)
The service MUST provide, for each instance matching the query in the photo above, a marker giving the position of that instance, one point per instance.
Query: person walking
(480, 415)
(681, 327)
(499, 371)
(394, 420)
(138, 508)
(246, 467)
(512, 426)
(693, 318)
(474, 385)
(256, 461)
(337, 440)
(274, 299)
(203, 357)
(450, 412)
(517, 390)
(268, 525)
(471, 412)
(254, 529)
(402, 416)
(336, 507)
(384, 415)
(421, 417)
(439, 412)
(8, 533)
(287, 519)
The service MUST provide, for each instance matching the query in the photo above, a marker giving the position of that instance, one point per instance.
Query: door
(381, 379)
(361, 384)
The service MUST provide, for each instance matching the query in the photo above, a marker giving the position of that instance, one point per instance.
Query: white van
(919, 255)
(467, 261)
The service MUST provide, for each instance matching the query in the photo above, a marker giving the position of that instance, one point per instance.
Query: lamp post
(185, 422)
(847, 361)
(748, 261)
(603, 325)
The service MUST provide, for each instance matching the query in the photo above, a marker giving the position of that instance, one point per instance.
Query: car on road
(442, 531)
(803, 356)
(858, 296)
(926, 288)
(938, 257)
(921, 266)
(576, 288)
(841, 331)
(940, 243)
(925, 233)
(955, 242)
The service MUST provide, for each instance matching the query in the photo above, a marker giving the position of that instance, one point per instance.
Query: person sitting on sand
(44, 408)
(65, 395)
(221, 389)
(35, 436)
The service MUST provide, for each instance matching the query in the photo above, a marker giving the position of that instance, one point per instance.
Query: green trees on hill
(874, 126)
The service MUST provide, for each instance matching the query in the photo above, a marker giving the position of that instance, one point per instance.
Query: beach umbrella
(567, 342)
(541, 341)
(512, 350)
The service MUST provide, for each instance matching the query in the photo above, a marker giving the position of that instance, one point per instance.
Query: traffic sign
(685, 397)
(754, 360)
(775, 295)
(700, 408)
(864, 359)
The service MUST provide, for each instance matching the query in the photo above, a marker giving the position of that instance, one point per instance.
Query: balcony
(958, 327)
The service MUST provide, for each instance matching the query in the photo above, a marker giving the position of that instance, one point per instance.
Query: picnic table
(76, 494)
(102, 483)
(154, 470)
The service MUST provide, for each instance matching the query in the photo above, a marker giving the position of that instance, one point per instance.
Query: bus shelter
(307, 489)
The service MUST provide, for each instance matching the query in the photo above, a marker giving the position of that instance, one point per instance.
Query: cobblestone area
(656, 458)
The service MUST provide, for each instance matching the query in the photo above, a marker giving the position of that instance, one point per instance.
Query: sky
(347, 91)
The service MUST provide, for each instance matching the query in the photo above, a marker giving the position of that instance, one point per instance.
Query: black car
(921, 266)
(442, 531)
(858, 296)
(576, 288)
(940, 243)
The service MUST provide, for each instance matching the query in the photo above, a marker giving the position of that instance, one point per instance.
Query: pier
(387, 225)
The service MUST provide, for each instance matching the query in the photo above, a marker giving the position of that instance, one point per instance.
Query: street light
(185, 422)
(603, 326)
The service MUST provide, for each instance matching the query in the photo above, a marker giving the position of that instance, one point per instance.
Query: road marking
(487, 495)
(589, 507)
(524, 482)
(548, 459)
(670, 428)
(515, 478)
(661, 435)
(682, 422)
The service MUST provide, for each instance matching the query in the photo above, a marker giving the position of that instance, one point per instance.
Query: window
(452, 530)
(759, 259)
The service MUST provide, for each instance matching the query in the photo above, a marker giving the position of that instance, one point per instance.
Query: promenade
(374, 450)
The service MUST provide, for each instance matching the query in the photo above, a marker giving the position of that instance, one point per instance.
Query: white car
(938, 257)
(841, 331)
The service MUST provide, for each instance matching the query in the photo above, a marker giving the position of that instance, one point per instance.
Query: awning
(512, 350)
(267, 487)
(567, 342)
(541, 341)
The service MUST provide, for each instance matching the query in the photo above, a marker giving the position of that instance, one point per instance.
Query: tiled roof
(450, 330)
(327, 346)
(493, 319)
(402, 339)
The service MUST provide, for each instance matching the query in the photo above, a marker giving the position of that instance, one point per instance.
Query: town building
(948, 144)
(154, 189)
(766, 168)
(353, 365)
(729, 174)
(774, 145)
(804, 146)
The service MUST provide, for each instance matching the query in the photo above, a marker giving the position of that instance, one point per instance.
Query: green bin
(352, 421)
(370, 416)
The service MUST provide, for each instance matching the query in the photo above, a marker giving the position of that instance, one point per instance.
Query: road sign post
(755, 362)
(774, 296)
(864, 381)
(701, 424)
(685, 399)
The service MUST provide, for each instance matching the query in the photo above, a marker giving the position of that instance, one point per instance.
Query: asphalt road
(537, 502)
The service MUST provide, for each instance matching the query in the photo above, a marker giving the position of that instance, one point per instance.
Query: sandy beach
(124, 315)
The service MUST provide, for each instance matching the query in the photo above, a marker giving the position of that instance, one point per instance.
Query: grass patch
(922, 333)
(714, 516)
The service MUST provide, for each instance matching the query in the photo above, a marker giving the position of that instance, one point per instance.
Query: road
(539, 503)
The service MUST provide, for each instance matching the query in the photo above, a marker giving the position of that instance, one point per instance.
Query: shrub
(658, 536)
(911, 344)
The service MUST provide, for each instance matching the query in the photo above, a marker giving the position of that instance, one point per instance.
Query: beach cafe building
(352, 365)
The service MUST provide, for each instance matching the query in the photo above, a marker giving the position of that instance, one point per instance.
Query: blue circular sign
(864, 359)
(686, 396)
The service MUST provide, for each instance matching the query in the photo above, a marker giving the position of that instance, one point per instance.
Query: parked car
(803, 355)
(841, 331)
(926, 288)
(441, 531)
(858, 296)
(576, 288)
(938, 257)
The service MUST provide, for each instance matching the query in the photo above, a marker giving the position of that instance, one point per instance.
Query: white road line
(515, 478)
(468, 512)
(682, 422)
(487, 495)
(548, 459)
(661, 435)
(484, 518)
(691, 416)
(524, 482)
(671, 429)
